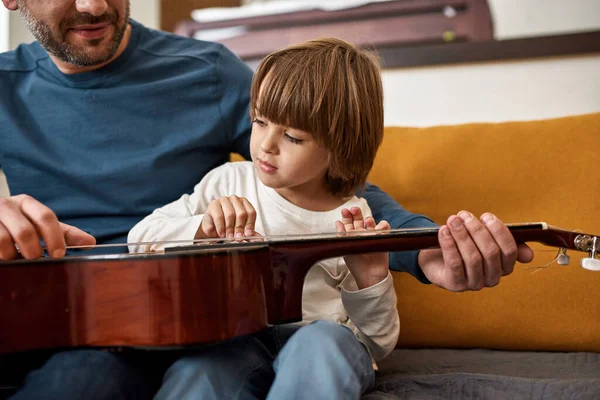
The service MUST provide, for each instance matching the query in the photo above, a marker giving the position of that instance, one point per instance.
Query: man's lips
(95, 31)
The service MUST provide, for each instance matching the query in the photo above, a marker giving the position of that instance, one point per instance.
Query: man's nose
(94, 7)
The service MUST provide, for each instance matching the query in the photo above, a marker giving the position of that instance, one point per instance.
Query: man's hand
(24, 221)
(474, 253)
(230, 217)
(370, 268)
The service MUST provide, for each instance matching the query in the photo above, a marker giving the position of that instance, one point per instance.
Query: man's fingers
(505, 241)
(75, 236)
(453, 262)
(47, 225)
(8, 250)
(487, 248)
(471, 258)
(524, 253)
(21, 230)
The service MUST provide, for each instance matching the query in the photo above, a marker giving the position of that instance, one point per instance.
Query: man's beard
(65, 51)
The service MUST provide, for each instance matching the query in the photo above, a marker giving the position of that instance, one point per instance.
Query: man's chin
(90, 54)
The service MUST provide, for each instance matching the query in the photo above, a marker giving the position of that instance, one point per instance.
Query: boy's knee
(324, 334)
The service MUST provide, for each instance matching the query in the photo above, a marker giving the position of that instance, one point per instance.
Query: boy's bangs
(286, 97)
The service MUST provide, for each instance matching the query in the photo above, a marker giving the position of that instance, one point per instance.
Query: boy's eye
(292, 139)
(258, 122)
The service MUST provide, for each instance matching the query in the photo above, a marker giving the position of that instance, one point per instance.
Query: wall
(492, 92)
(526, 18)
(500, 91)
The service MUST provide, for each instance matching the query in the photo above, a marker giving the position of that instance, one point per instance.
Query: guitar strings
(538, 269)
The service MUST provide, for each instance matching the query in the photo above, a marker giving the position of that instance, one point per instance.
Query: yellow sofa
(523, 172)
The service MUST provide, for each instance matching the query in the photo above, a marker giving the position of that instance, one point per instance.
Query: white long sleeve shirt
(330, 291)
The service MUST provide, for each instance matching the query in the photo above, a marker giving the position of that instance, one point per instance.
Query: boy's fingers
(359, 220)
(347, 220)
(382, 225)
(228, 217)
(241, 216)
(248, 229)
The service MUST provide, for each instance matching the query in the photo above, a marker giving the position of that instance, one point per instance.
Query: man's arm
(384, 207)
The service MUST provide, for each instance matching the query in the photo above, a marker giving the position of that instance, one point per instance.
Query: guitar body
(157, 300)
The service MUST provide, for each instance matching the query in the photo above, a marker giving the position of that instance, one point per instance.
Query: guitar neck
(327, 246)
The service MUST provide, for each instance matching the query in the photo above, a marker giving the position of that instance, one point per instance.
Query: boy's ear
(10, 4)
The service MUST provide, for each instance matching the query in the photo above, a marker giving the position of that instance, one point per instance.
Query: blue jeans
(96, 375)
(322, 360)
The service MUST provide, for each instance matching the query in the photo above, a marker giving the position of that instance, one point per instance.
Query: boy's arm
(374, 314)
(384, 207)
(180, 219)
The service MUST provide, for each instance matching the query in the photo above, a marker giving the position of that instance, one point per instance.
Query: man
(103, 120)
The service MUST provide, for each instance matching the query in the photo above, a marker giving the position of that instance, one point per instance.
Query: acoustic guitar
(194, 294)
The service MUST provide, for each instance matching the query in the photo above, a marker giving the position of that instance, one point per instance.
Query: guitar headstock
(563, 239)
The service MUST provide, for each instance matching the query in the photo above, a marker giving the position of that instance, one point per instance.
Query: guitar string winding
(538, 269)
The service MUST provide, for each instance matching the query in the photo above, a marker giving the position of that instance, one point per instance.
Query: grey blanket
(486, 374)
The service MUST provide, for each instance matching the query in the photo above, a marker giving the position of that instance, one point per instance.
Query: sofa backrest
(523, 172)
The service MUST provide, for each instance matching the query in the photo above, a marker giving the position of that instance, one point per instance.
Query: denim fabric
(94, 375)
(322, 360)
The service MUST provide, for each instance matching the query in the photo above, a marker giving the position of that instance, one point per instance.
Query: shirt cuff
(350, 288)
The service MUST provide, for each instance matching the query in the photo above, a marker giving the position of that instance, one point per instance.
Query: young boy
(317, 112)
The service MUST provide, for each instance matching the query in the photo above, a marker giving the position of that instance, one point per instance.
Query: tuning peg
(563, 259)
(590, 263)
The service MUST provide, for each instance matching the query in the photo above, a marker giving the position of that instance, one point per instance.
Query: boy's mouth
(266, 167)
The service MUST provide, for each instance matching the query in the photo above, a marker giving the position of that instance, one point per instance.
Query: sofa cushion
(523, 172)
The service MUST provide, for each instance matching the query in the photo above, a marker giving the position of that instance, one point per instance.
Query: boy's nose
(94, 7)
(269, 143)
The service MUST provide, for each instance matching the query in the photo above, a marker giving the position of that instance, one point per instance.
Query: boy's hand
(228, 217)
(370, 268)
(474, 253)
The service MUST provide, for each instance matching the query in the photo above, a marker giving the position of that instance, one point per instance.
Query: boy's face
(79, 32)
(288, 160)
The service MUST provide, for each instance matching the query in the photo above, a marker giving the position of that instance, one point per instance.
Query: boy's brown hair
(333, 90)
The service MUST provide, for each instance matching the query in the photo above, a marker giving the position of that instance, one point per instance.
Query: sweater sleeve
(374, 313)
(180, 219)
